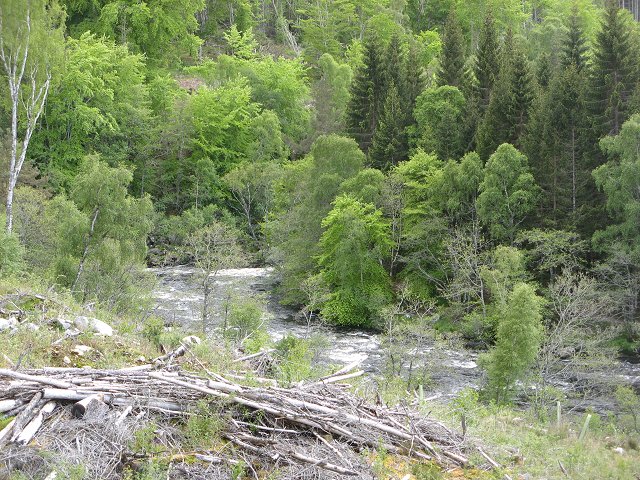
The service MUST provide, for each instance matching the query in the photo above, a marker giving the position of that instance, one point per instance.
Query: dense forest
(465, 168)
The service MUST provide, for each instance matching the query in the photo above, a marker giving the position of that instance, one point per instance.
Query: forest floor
(151, 444)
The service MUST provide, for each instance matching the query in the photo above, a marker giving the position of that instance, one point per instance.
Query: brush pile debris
(310, 430)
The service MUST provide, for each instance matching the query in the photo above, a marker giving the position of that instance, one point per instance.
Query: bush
(295, 356)
(245, 321)
(518, 339)
(11, 253)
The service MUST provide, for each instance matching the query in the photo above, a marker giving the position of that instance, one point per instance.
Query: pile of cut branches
(318, 425)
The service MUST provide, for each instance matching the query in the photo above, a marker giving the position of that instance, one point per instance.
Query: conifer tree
(392, 63)
(574, 49)
(614, 73)
(555, 141)
(487, 62)
(511, 99)
(389, 142)
(452, 59)
(367, 95)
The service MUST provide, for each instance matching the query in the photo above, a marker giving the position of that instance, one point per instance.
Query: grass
(526, 445)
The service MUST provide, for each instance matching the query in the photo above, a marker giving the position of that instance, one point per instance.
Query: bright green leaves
(221, 118)
(518, 338)
(101, 235)
(508, 193)
(303, 199)
(162, 30)
(355, 242)
(619, 179)
(101, 105)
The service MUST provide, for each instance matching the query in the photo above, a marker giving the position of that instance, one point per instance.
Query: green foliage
(439, 114)
(11, 253)
(294, 359)
(452, 69)
(629, 402)
(245, 320)
(389, 142)
(367, 95)
(304, 197)
(162, 30)
(100, 104)
(203, 427)
(511, 98)
(614, 72)
(487, 63)
(355, 241)
(221, 122)
(508, 193)
(332, 93)
(101, 235)
(518, 339)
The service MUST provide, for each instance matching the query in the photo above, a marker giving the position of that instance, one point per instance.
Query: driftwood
(318, 424)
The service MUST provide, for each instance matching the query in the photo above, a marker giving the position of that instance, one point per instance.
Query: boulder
(93, 325)
(8, 323)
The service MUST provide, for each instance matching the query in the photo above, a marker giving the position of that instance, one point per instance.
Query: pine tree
(511, 98)
(487, 62)
(452, 60)
(411, 84)
(521, 97)
(389, 143)
(614, 73)
(574, 49)
(392, 63)
(367, 95)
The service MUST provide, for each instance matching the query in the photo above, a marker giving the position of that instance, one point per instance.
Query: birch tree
(29, 33)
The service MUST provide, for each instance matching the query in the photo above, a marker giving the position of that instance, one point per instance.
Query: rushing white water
(179, 301)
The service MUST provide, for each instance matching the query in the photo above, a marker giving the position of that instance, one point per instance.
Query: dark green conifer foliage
(452, 59)
(389, 143)
(556, 136)
(367, 95)
(487, 62)
(574, 49)
(614, 73)
(521, 95)
(511, 99)
(393, 63)
(543, 71)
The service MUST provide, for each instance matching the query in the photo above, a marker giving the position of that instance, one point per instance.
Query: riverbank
(161, 447)
(450, 367)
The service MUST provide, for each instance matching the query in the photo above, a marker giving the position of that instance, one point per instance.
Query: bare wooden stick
(6, 431)
(34, 425)
(7, 405)
(254, 355)
(34, 378)
(23, 417)
(123, 415)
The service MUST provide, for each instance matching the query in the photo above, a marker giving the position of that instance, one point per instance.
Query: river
(178, 300)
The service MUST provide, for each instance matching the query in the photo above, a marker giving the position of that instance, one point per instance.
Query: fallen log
(34, 425)
(317, 424)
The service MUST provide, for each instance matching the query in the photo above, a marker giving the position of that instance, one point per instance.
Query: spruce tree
(521, 97)
(389, 143)
(574, 49)
(487, 62)
(511, 98)
(452, 60)
(367, 95)
(614, 73)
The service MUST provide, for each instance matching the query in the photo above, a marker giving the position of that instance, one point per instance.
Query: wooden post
(584, 428)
